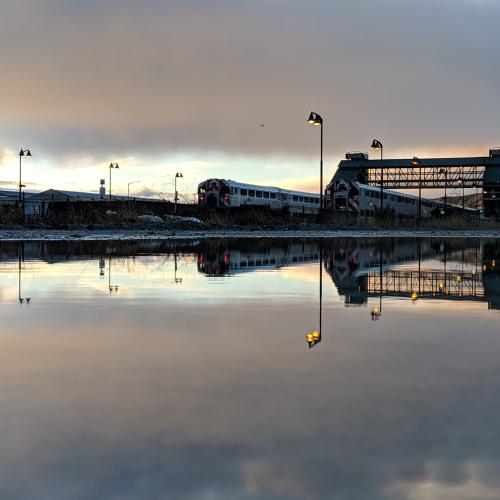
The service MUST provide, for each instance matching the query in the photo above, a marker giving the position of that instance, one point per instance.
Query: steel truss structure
(431, 177)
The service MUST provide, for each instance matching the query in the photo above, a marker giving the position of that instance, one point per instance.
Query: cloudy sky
(223, 88)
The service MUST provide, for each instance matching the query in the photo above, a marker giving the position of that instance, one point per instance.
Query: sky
(223, 88)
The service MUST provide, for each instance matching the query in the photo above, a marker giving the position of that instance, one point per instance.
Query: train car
(364, 200)
(226, 193)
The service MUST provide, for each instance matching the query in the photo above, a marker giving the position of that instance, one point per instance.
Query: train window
(301, 198)
(385, 197)
(295, 198)
(244, 192)
(266, 194)
(259, 194)
(201, 189)
(273, 196)
(251, 193)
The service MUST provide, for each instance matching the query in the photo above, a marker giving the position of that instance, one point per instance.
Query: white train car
(365, 201)
(227, 193)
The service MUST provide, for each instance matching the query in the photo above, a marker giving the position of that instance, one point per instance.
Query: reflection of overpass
(468, 271)
(426, 284)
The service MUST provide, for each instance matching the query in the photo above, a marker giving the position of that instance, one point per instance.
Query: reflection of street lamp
(112, 288)
(314, 338)
(317, 121)
(177, 175)
(21, 299)
(177, 280)
(111, 167)
(376, 312)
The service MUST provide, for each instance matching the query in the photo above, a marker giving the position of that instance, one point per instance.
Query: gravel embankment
(164, 234)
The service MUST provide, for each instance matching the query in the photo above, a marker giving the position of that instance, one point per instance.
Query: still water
(266, 369)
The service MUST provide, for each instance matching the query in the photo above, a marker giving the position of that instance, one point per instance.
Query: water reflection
(194, 380)
(362, 270)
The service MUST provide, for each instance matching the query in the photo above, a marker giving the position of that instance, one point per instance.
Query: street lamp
(177, 175)
(317, 121)
(111, 167)
(23, 152)
(128, 188)
(445, 172)
(416, 162)
(377, 145)
(461, 181)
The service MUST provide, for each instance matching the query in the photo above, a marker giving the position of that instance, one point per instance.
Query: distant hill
(471, 200)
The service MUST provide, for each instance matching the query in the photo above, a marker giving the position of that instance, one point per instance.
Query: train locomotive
(226, 193)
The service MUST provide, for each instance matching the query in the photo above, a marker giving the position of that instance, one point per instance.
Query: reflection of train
(231, 194)
(227, 259)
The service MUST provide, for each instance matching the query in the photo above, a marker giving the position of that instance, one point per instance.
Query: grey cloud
(166, 76)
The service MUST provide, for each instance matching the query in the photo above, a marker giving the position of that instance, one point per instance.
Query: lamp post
(461, 181)
(317, 121)
(177, 176)
(377, 145)
(111, 167)
(23, 152)
(128, 188)
(416, 162)
(445, 172)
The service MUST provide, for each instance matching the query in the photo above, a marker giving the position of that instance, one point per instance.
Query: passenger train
(364, 200)
(340, 196)
(231, 194)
